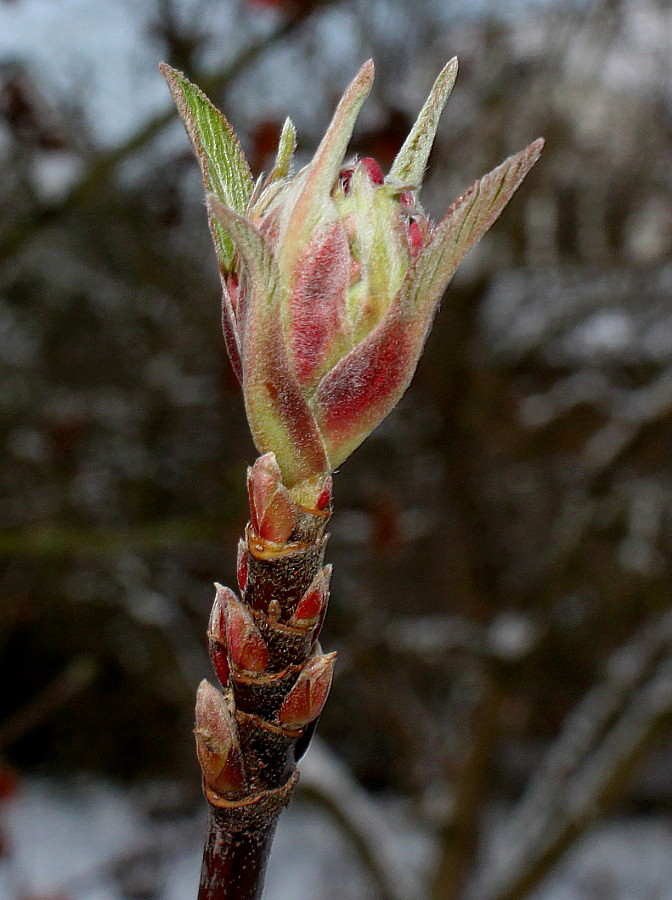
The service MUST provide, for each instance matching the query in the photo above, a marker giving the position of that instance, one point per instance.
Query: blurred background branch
(502, 697)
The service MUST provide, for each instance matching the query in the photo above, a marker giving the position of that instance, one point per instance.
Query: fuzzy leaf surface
(322, 172)
(410, 163)
(225, 171)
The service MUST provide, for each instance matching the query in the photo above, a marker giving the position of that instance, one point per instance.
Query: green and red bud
(273, 513)
(247, 650)
(217, 744)
(311, 607)
(331, 277)
(217, 636)
(306, 699)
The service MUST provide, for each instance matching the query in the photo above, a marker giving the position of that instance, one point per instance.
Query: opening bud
(272, 510)
(306, 699)
(247, 649)
(370, 166)
(217, 743)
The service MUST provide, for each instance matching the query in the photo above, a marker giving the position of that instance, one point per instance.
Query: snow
(88, 839)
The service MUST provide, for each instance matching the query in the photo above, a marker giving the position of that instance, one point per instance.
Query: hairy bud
(331, 277)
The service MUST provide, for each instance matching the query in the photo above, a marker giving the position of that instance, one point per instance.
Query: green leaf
(226, 173)
(285, 155)
(464, 225)
(254, 252)
(409, 165)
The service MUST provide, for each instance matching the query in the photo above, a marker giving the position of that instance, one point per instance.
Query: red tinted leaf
(317, 300)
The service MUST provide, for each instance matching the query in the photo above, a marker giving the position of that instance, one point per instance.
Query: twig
(459, 835)
(589, 766)
(59, 540)
(76, 677)
(102, 169)
(327, 782)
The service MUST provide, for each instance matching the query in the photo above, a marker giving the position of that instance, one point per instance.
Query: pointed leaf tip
(409, 165)
(462, 227)
(250, 244)
(223, 165)
(323, 170)
(285, 154)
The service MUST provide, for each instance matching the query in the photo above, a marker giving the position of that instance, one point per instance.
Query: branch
(326, 781)
(588, 767)
(103, 168)
(76, 677)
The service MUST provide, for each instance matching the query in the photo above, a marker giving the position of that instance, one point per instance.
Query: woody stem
(234, 862)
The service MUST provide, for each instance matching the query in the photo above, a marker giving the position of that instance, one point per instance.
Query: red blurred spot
(385, 523)
(9, 782)
(267, 132)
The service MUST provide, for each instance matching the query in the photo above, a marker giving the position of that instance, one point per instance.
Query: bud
(272, 510)
(331, 277)
(312, 605)
(217, 744)
(324, 499)
(247, 649)
(306, 699)
(217, 636)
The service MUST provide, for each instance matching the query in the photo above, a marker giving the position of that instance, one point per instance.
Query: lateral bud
(324, 499)
(217, 635)
(306, 699)
(272, 510)
(247, 648)
(217, 745)
(312, 605)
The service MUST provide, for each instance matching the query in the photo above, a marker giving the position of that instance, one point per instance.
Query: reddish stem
(234, 862)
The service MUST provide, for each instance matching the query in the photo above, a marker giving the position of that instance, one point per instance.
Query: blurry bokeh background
(502, 544)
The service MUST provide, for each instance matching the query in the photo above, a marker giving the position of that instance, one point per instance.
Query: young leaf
(409, 164)
(286, 148)
(226, 173)
(464, 225)
(322, 172)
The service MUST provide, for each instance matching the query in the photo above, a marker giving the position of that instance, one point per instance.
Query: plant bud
(242, 564)
(246, 646)
(312, 605)
(217, 635)
(273, 512)
(306, 699)
(217, 744)
(331, 277)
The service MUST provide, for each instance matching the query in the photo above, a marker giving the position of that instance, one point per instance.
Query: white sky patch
(96, 51)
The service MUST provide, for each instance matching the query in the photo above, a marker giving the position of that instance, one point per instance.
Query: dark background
(501, 544)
